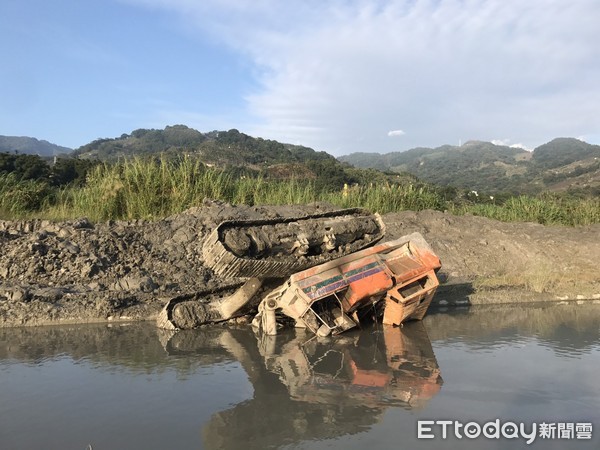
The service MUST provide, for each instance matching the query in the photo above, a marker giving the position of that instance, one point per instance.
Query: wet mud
(77, 271)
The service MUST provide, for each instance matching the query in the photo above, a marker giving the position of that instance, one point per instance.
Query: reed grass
(19, 198)
(155, 188)
(385, 198)
(547, 209)
(143, 189)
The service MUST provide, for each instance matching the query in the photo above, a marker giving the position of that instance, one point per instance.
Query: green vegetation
(222, 148)
(563, 151)
(151, 174)
(28, 184)
(562, 165)
(547, 209)
(150, 188)
(24, 167)
(21, 198)
(32, 167)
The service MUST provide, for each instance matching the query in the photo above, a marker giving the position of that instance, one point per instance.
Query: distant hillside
(564, 164)
(236, 152)
(563, 151)
(30, 146)
(231, 152)
(223, 148)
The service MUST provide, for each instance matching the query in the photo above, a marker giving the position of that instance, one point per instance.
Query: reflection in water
(131, 348)
(111, 386)
(567, 329)
(388, 366)
(311, 388)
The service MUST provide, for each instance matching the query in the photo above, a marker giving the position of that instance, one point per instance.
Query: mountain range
(563, 164)
(30, 146)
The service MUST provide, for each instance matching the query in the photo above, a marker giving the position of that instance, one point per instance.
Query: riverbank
(78, 271)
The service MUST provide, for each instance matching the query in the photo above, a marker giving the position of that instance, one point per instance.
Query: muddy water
(126, 387)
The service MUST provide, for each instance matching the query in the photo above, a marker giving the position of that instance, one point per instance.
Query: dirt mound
(78, 271)
(485, 261)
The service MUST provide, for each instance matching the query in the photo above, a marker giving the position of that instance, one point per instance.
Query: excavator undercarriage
(337, 274)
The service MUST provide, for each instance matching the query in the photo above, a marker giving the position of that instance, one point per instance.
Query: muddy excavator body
(332, 297)
(335, 268)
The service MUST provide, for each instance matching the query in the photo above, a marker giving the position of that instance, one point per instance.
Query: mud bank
(76, 271)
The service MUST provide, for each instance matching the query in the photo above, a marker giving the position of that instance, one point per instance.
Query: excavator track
(262, 250)
(277, 248)
(192, 310)
(235, 299)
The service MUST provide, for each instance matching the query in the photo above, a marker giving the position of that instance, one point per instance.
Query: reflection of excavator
(335, 279)
(390, 366)
(308, 388)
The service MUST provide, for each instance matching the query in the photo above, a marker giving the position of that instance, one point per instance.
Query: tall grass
(150, 189)
(548, 209)
(259, 191)
(386, 198)
(145, 189)
(19, 198)
(141, 189)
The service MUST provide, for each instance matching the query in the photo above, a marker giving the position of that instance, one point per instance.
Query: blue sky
(339, 76)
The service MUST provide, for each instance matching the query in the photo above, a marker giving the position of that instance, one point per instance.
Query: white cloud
(393, 133)
(507, 143)
(521, 146)
(330, 73)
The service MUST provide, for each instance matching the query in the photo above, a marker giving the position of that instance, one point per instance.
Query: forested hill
(236, 153)
(223, 148)
(30, 146)
(563, 164)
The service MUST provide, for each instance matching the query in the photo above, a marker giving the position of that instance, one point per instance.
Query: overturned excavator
(337, 274)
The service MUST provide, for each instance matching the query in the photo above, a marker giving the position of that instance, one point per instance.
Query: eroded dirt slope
(493, 261)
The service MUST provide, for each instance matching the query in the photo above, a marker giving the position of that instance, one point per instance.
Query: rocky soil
(76, 271)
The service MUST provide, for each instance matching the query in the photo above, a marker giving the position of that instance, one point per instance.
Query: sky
(340, 75)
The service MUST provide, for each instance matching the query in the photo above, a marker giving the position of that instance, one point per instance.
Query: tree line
(55, 172)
